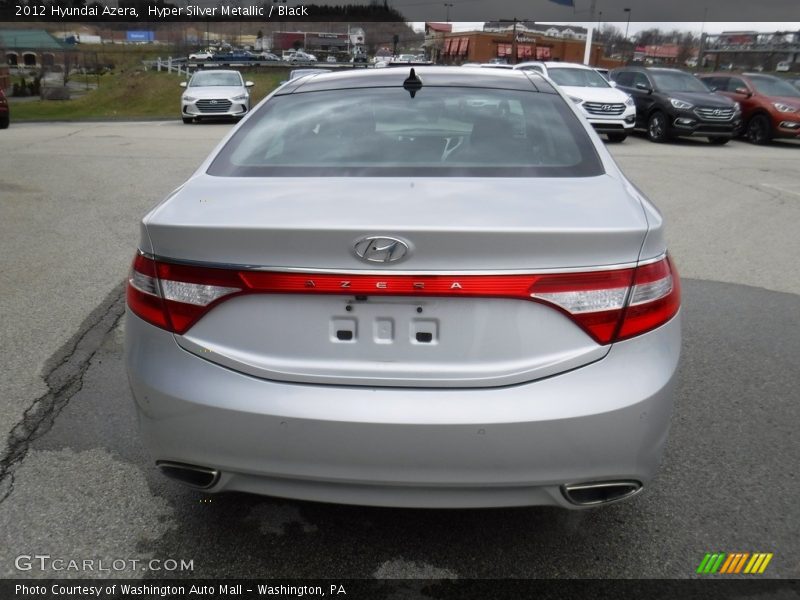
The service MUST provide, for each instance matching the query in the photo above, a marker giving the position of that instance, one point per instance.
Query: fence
(170, 65)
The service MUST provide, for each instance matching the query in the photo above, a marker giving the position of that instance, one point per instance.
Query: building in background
(434, 40)
(29, 47)
(665, 54)
(483, 46)
(750, 49)
(321, 44)
(565, 32)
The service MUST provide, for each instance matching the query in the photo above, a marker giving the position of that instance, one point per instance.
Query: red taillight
(174, 297)
(609, 305)
(615, 305)
(654, 300)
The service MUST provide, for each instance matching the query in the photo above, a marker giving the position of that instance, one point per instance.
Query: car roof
(430, 75)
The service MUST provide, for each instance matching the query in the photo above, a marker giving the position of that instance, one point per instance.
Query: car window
(215, 78)
(577, 77)
(676, 81)
(772, 86)
(735, 83)
(623, 78)
(718, 83)
(441, 131)
(639, 77)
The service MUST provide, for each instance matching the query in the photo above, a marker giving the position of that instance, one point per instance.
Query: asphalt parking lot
(76, 483)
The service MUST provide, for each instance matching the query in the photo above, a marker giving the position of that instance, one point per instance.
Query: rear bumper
(508, 446)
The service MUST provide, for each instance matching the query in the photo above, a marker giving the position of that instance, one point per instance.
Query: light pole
(627, 26)
(447, 7)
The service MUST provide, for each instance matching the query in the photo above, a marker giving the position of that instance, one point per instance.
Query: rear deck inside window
(385, 132)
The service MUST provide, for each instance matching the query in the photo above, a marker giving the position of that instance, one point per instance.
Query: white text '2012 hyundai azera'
(400, 288)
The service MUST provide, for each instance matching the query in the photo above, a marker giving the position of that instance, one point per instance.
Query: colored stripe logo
(733, 563)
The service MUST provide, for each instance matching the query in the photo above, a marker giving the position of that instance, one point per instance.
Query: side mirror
(743, 91)
(184, 84)
(249, 84)
(644, 87)
(612, 83)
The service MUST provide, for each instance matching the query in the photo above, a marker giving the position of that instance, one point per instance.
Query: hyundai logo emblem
(606, 107)
(381, 249)
(717, 112)
(213, 102)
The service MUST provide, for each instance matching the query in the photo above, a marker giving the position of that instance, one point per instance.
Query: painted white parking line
(783, 188)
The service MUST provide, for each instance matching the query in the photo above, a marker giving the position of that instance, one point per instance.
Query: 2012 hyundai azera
(427, 288)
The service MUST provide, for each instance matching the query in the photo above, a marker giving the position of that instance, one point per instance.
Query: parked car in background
(234, 56)
(770, 105)
(215, 94)
(331, 59)
(300, 57)
(783, 66)
(201, 55)
(5, 111)
(609, 110)
(267, 56)
(672, 103)
(288, 334)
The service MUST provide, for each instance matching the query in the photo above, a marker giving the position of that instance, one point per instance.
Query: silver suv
(393, 287)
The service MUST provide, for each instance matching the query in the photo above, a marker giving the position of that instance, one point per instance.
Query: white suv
(609, 110)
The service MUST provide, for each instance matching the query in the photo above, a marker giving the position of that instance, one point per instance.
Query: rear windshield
(442, 131)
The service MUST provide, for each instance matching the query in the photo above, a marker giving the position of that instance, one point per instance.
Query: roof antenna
(413, 84)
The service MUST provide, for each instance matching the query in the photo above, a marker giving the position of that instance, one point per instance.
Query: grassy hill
(132, 94)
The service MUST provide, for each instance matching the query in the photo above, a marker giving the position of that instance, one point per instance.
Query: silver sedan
(215, 94)
(427, 288)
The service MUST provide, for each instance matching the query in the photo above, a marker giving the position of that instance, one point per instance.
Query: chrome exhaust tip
(201, 478)
(600, 492)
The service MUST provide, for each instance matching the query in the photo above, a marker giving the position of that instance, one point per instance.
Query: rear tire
(5, 122)
(719, 141)
(758, 130)
(657, 127)
(616, 138)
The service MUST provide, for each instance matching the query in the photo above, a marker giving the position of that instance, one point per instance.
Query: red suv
(770, 105)
(5, 113)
